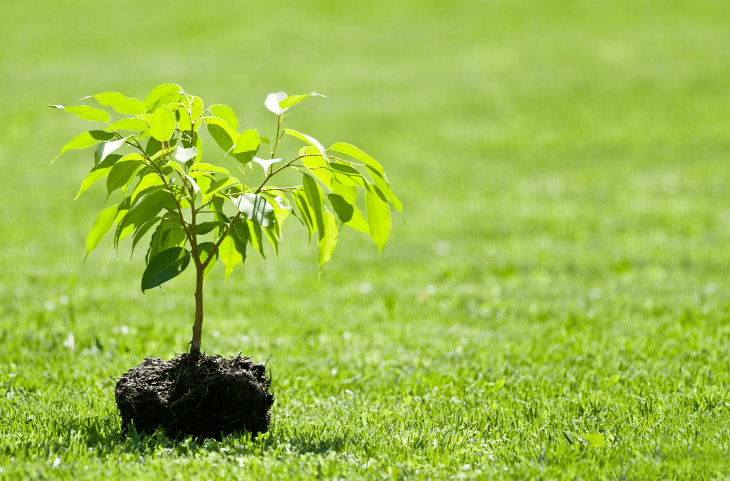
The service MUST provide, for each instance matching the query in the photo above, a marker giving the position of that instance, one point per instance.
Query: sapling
(195, 211)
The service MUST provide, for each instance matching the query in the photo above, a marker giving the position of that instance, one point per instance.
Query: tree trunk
(198, 326)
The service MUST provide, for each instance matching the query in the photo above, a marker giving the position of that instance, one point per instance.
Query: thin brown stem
(273, 173)
(199, 209)
(150, 163)
(278, 138)
(198, 325)
(284, 189)
(220, 239)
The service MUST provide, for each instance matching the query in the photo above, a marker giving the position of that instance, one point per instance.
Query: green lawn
(557, 306)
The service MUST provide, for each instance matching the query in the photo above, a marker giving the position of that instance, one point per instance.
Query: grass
(557, 307)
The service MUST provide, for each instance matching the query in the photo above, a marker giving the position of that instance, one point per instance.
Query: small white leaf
(281, 202)
(272, 102)
(265, 163)
(319, 146)
(183, 155)
(256, 208)
(193, 184)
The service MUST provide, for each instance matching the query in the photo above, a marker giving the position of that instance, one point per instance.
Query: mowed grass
(557, 306)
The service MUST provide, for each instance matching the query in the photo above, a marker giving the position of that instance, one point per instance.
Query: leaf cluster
(195, 209)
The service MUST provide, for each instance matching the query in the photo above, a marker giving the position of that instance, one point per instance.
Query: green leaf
(205, 227)
(226, 113)
(382, 184)
(348, 213)
(204, 182)
(216, 208)
(347, 192)
(107, 148)
(378, 213)
(148, 181)
(163, 124)
(306, 138)
(84, 140)
(85, 112)
(153, 148)
(315, 199)
(168, 234)
(183, 175)
(347, 175)
(183, 119)
(98, 172)
(222, 133)
(256, 237)
(229, 255)
(166, 265)
(145, 134)
(203, 167)
(282, 209)
(103, 224)
(147, 207)
(304, 212)
(240, 233)
(256, 208)
(204, 250)
(271, 234)
(142, 230)
(246, 146)
(193, 185)
(317, 166)
(136, 124)
(199, 147)
(162, 95)
(328, 242)
(123, 209)
(194, 104)
(358, 154)
(188, 120)
(122, 174)
(215, 187)
(295, 99)
(119, 102)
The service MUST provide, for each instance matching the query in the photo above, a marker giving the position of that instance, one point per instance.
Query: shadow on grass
(105, 435)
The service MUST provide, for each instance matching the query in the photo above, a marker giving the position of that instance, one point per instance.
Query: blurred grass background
(563, 169)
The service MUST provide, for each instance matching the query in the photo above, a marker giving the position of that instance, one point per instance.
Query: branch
(220, 240)
(281, 188)
(278, 138)
(271, 174)
(151, 164)
(345, 161)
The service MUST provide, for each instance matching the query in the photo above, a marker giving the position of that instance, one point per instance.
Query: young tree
(197, 210)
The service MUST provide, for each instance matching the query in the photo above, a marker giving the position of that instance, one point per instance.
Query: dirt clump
(195, 395)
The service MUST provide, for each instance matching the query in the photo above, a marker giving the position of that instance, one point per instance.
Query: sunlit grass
(556, 307)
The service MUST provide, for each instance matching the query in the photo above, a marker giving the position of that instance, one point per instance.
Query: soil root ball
(196, 395)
